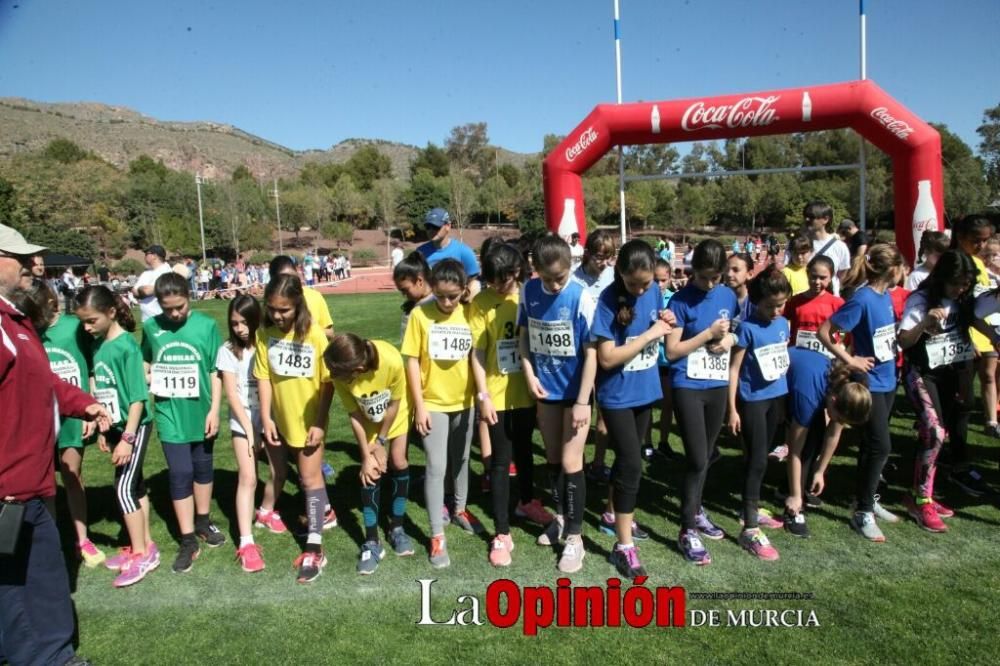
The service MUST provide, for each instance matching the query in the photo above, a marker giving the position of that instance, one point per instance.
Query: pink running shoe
(766, 520)
(942, 510)
(250, 558)
(270, 520)
(925, 515)
(131, 572)
(89, 553)
(500, 549)
(116, 562)
(534, 511)
(758, 545)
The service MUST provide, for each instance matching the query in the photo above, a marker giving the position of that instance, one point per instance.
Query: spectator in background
(103, 274)
(575, 252)
(156, 262)
(857, 240)
(437, 223)
(397, 253)
(818, 216)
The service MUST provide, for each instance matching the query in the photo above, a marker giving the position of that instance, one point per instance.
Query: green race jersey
(120, 379)
(182, 361)
(69, 349)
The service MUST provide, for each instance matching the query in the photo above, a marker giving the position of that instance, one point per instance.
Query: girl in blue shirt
(698, 349)
(559, 363)
(661, 275)
(868, 315)
(757, 390)
(627, 329)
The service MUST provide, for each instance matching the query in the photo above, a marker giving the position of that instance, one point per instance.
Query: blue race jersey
(558, 330)
(807, 380)
(636, 382)
(697, 310)
(762, 375)
(869, 317)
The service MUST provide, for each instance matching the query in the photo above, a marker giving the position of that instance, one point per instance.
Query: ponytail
(878, 264)
(848, 387)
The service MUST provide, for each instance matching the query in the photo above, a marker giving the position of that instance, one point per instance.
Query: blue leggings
(188, 464)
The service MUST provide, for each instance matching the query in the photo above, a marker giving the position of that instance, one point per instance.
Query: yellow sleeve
(318, 308)
(319, 339)
(413, 339)
(261, 364)
(397, 378)
(477, 324)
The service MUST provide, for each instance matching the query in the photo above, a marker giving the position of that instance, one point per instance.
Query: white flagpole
(621, 152)
(861, 157)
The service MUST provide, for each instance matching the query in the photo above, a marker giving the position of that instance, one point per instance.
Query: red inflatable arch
(913, 145)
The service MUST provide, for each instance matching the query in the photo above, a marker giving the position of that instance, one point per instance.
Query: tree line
(75, 202)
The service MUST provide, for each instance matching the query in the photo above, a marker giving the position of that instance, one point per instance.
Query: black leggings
(699, 413)
(627, 429)
(759, 422)
(130, 486)
(511, 434)
(875, 448)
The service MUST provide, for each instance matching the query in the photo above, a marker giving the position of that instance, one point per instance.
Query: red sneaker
(250, 558)
(270, 520)
(924, 514)
(942, 510)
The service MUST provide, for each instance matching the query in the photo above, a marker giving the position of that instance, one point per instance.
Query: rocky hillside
(119, 135)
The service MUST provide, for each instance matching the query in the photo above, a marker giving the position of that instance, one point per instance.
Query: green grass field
(918, 597)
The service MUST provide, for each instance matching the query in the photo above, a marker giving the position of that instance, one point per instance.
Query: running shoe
(571, 559)
(445, 514)
(626, 561)
(607, 526)
(598, 473)
(534, 511)
(400, 542)
(186, 555)
(863, 522)
(250, 559)
(310, 566)
(439, 552)
(210, 534)
(647, 453)
(270, 520)
(767, 520)
(553, 533)
(152, 557)
(970, 481)
(991, 430)
(131, 572)
(372, 553)
(881, 513)
(117, 561)
(500, 549)
(467, 522)
(329, 522)
(708, 529)
(813, 501)
(795, 524)
(694, 551)
(942, 510)
(779, 452)
(90, 554)
(923, 512)
(757, 543)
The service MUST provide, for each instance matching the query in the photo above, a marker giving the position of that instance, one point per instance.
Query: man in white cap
(36, 611)
(156, 260)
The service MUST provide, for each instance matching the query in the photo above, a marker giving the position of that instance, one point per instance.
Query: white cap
(13, 242)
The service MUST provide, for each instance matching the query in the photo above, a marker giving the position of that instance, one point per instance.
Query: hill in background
(119, 135)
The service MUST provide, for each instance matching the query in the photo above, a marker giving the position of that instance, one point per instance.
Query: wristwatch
(381, 440)
(129, 438)
(482, 395)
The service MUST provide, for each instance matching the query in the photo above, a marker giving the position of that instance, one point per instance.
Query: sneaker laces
(437, 545)
(694, 541)
(632, 557)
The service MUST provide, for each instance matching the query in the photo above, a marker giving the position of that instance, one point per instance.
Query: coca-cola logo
(747, 112)
(900, 128)
(587, 137)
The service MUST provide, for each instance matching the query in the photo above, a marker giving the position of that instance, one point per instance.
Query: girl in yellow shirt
(437, 345)
(295, 393)
(368, 376)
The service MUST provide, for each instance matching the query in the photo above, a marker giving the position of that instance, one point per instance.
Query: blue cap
(436, 217)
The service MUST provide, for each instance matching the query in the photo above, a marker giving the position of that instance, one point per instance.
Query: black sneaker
(970, 482)
(668, 453)
(210, 534)
(647, 453)
(795, 524)
(186, 556)
(627, 562)
(813, 502)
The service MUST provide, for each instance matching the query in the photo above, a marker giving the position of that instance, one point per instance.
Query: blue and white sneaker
(372, 553)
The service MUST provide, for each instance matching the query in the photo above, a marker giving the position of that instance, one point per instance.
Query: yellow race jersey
(493, 320)
(370, 393)
(318, 309)
(981, 342)
(442, 343)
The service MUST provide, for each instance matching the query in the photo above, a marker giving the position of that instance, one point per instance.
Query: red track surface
(363, 281)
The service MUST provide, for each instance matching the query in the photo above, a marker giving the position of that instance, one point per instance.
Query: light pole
(201, 219)
(277, 212)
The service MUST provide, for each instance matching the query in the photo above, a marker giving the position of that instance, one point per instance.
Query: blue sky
(310, 74)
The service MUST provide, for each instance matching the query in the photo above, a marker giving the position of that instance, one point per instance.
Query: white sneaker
(571, 560)
(553, 534)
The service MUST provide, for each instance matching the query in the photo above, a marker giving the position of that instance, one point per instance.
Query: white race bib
(809, 340)
(108, 397)
(948, 348)
(67, 371)
(645, 359)
(174, 381)
(551, 338)
(703, 365)
(884, 342)
(375, 406)
(508, 356)
(291, 359)
(773, 360)
(449, 342)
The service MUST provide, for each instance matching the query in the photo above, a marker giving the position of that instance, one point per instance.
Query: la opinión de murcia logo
(587, 137)
(747, 112)
(900, 128)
